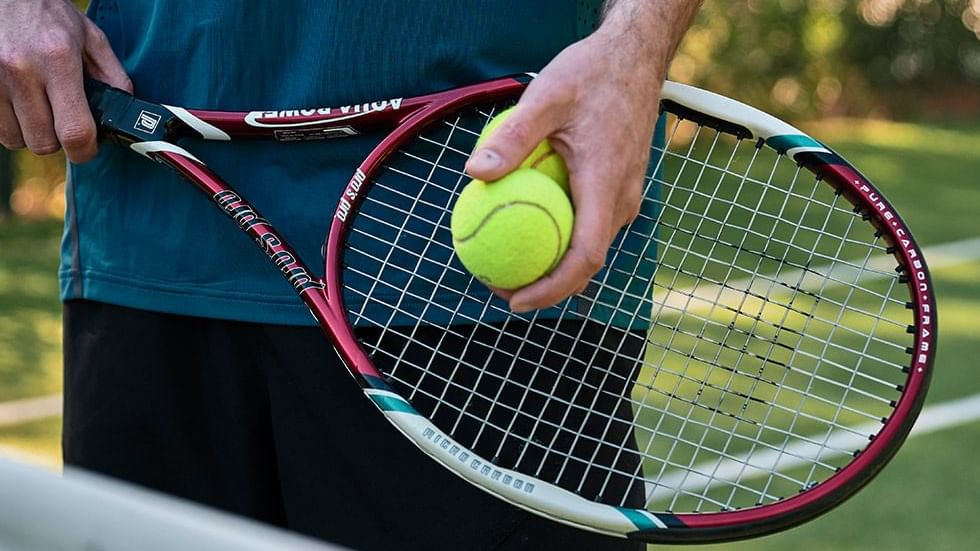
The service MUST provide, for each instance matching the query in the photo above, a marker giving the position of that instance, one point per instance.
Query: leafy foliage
(904, 58)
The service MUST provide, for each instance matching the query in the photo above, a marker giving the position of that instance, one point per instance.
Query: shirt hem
(184, 301)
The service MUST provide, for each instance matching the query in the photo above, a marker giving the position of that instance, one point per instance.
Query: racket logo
(476, 464)
(147, 121)
(295, 273)
(292, 118)
(350, 194)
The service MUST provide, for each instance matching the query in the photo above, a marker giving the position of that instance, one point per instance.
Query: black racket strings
(723, 380)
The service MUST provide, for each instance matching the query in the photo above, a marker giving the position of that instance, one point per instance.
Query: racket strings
(746, 338)
(769, 294)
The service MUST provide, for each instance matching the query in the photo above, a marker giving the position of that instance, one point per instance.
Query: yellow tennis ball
(511, 232)
(544, 159)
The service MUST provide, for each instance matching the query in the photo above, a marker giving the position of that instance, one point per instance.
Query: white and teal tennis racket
(755, 350)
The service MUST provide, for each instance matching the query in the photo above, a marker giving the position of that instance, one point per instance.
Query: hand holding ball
(511, 232)
(544, 159)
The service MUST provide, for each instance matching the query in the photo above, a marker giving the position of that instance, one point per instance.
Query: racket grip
(94, 89)
(122, 118)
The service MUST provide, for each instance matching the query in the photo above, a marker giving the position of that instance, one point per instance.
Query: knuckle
(75, 137)
(10, 136)
(96, 35)
(58, 48)
(593, 259)
(14, 64)
(632, 209)
(125, 83)
(44, 148)
(515, 130)
(11, 142)
(631, 216)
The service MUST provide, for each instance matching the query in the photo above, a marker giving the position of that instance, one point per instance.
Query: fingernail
(520, 307)
(484, 160)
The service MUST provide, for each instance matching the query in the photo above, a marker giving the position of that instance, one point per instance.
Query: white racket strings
(746, 338)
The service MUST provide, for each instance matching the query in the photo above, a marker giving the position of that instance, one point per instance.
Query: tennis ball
(511, 232)
(544, 159)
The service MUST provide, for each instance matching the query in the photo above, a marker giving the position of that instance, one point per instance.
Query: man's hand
(597, 102)
(45, 47)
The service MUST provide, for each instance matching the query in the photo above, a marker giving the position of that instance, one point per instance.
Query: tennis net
(82, 511)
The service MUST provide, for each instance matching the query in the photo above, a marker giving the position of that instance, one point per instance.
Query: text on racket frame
(475, 463)
(918, 275)
(248, 220)
(350, 193)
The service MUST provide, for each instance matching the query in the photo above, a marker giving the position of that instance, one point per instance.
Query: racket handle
(124, 119)
(94, 90)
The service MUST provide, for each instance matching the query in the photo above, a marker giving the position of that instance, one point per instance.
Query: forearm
(648, 31)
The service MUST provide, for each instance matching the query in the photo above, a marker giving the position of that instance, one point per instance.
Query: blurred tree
(839, 57)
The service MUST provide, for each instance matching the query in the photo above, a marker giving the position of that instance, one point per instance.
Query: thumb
(513, 141)
(101, 62)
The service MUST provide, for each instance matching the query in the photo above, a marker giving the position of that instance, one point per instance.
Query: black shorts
(265, 422)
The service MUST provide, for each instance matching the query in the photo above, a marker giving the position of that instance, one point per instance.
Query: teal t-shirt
(138, 236)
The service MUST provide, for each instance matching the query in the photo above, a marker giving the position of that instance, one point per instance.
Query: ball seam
(542, 158)
(498, 208)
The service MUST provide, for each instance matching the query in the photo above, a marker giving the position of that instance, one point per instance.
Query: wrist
(646, 31)
(635, 56)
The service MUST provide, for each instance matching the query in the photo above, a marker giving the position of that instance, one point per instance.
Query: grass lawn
(30, 312)
(925, 500)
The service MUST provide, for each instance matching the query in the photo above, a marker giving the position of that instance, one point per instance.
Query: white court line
(802, 452)
(952, 253)
(29, 409)
(737, 291)
(937, 256)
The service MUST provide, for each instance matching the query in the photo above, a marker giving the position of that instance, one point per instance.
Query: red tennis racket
(756, 348)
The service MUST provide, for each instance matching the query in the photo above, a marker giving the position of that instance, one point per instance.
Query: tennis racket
(755, 350)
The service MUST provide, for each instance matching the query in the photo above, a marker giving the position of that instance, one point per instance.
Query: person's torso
(138, 236)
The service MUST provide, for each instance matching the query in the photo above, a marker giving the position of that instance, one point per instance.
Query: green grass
(30, 313)
(925, 499)
(38, 441)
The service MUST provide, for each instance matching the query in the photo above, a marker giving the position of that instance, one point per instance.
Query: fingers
(502, 293)
(42, 97)
(33, 115)
(514, 140)
(586, 254)
(10, 136)
(25, 117)
(101, 62)
(55, 114)
(73, 123)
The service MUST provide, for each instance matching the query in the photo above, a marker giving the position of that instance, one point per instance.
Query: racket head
(768, 250)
